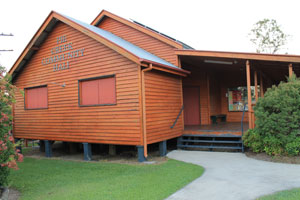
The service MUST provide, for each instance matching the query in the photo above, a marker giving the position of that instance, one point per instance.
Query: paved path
(234, 176)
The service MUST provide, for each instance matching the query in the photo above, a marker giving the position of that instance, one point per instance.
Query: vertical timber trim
(182, 114)
(261, 82)
(290, 70)
(181, 92)
(178, 61)
(255, 84)
(144, 109)
(249, 92)
(208, 98)
(141, 104)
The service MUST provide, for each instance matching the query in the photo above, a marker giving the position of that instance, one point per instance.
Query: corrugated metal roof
(139, 52)
(185, 46)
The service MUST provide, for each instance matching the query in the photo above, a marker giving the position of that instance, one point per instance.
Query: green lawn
(293, 194)
(57, 179)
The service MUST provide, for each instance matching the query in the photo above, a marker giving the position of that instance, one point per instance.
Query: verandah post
(290, 70)
(261, 85)
(256, 87)
(249, 93)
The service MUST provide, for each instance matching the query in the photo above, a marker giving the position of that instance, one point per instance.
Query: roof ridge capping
(141, 27)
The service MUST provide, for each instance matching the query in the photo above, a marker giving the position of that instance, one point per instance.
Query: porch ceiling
(274, 67)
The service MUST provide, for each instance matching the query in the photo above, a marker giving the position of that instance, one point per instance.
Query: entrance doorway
(191, 102)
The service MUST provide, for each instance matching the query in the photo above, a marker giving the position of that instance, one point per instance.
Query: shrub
(8, 153)
(277, 121)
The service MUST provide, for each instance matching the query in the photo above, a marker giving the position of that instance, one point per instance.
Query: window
(36, 98)
(238, 98)
(98, 91)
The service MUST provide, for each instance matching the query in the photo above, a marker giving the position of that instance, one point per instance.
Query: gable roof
(139, 52)
(110, 40)
(138, 26)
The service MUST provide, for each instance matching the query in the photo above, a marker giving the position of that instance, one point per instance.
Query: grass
(58, 179)
(293, 194)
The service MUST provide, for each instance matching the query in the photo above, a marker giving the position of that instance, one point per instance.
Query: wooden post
(255, 84)
(290, 70)
(179, 61)
(249, 92)
(261, 82)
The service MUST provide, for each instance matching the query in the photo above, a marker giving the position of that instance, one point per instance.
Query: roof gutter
(177, 71)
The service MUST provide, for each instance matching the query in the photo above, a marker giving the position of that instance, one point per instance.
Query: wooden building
(119, 82)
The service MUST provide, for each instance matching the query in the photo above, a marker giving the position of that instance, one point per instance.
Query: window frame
(25, 97)
(95, 78)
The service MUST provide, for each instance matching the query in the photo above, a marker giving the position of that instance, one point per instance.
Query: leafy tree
(277, 130)
(8, 153)
(267, 36)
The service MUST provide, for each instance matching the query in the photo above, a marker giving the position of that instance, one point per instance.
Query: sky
(205, 25)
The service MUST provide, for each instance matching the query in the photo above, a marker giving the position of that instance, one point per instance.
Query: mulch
(277, 159)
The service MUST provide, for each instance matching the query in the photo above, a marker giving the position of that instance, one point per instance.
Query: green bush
(8, 154)
(277, 130)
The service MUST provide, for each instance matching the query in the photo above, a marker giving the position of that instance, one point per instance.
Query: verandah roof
(274, 66)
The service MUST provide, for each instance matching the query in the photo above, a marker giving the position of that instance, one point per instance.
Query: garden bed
(277, 159)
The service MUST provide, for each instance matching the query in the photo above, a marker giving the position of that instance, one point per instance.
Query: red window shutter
(89, 92)
(31, 98)
(42, 100)
(107, 91)
(36, 98)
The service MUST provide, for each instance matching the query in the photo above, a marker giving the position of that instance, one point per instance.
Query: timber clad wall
(217, 89)
(163, 103)
(199, 79)
(65, 119)
(140, 39)
(204, 100)
(215, 95)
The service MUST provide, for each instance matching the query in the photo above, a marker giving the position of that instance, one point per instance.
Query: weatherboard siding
(140, 39)
(215, 95)
(65, 120)
(163, 103)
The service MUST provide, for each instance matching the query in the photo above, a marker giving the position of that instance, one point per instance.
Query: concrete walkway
(234, 176)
